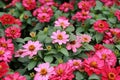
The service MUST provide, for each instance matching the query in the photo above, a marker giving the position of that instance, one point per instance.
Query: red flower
(109, 73)
(101, 26)
(3, 68)
(7, 19)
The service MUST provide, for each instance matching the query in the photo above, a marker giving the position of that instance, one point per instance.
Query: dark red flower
(3, 68)
(6, 19)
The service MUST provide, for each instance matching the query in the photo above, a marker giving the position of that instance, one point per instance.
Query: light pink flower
(14, 76)
(93, 65)
(73, 45)
(107, 56)
(5, 55)
(44, 71)
(61, 22)
(85, 38)
(75, 63)
(20, 53)
(60, 37)
(32, 47)
(13, 32)
(29, 4)
(62, 72)
(44, 17)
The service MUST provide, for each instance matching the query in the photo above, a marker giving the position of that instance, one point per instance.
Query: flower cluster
(59, 40)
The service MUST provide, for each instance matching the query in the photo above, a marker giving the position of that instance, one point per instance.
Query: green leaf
(20, 40)
(19, 6)
(2, 4)
(118, 46)
(98, 37)
(31, 65)
(79, 76)
(1, 32)
(72, 37)
(48, 59)
(112, 20)
(98, 5)
(94, 76)
(88, 47)
(64, 51)
(41, 36)
(23, 60)
(48, 40)
(110, 46)
(70, 29)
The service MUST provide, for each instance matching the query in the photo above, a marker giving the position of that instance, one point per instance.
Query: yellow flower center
(60, 37)
(31, 47)
(1, 52)
(4, 45)
(62, 24)
(111, 76)
(93, 64)
(101, 25)
(104, 56)
(43, 71)
(13, 32)
(0, 67)
(59, 71)
(76, 63)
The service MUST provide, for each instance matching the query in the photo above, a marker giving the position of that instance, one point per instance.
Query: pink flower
(108, 38)
(75, 63)
(84, 5)
(43, 9)
(5, 55)
(60, 37)
(44, 17)
(115, 31)
(101, 26)
(107, 56)
(85, 38)
(93, 65)
(44, 71)
(7, 44)
(73, 45)
(117, 14)
(15, 76)
(61, 22)
(65, 7)
(29, 4)
(46, 2)
(13, 32)
(81, 16)
(31, 48)
(108, 2)
(109, 73)
(62, 72)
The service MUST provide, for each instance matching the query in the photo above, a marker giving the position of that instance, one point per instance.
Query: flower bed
(57, 40)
